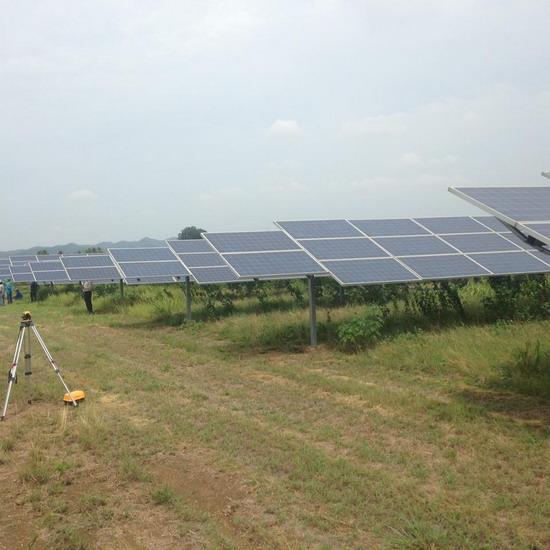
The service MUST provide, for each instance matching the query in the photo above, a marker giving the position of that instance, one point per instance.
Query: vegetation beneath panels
(422, 420)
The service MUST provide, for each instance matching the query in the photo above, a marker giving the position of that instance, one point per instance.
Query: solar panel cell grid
(319, 229)
(488, 242)
(87, 261)
(389, 228)
(414, 246)
(211, 275)
(51, 276)
(257, 241)
(384, 270)
(142, 254)
(276, 264)
(153, 269)
(205, 259)
(93, 273)
(334, 249)
(508, 263)
(189, 246)
(461, 224)
(444, 267)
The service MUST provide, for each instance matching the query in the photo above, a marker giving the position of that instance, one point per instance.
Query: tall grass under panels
(271, 315)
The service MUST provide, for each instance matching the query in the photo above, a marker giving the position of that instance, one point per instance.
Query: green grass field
(230, 434)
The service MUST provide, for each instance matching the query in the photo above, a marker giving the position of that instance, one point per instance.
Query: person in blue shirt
(18, 295)
(9, 291)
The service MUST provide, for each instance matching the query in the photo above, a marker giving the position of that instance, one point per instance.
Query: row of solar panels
(352, 251)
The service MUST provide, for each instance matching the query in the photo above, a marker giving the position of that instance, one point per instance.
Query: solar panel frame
(96, 274)
(519, 207)
(23, 277)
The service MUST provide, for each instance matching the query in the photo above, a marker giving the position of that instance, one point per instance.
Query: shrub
(528, 371)
(361, 331)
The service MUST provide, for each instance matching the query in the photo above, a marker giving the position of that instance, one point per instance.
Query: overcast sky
(124, 119)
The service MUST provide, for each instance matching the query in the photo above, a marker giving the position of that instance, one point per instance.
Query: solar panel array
(98, 268)
(526, 208)
(202, 261)
(263, 255)
(406, 250)
(148, 265)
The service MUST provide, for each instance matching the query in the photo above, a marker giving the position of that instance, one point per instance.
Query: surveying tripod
(24, 342)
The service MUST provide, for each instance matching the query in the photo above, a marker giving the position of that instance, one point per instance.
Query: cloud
(284, 128)
(393, 124)
(410, 159)
(81, 195)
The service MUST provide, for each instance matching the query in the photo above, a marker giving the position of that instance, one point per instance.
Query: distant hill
(74, 248)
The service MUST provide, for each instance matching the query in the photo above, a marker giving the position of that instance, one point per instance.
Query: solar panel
(23, 277)
(486, 242)
(319, 229)
(381, 270)
(251, 241)
(23, 258)
(462, 247)
(509, 263)
(273, 264)
(4, 261)
(96, 274)
(457, 224)
(151, 254)
(153, 269)
(55, 276)
(414, 246)
(389, 228)
(444, 267)
(263, 254)
(526, 208)
(21, 268)
(189, 246)
(95, 260)
(214, 275)
(47, 257)
(46, 266)
(203, 259)
(336, 249)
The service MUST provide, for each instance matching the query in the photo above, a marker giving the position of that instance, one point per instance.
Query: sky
(124, 119)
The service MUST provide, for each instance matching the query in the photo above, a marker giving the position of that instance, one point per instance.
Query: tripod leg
(28, 366)
(12, 374)
(52, 363)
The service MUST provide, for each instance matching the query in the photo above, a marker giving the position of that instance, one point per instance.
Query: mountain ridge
(75, 248)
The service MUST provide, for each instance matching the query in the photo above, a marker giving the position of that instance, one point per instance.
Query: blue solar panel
(23, 258)
(96, 260)
(213, 275)
(542, 255)
(273, 264)
(384, 270)
(46, 266)
(142, 254)
(459, 224)
(23, 277)
(204, 259)
(487, 242)
(414, 246)
(4, 261)
(189, 246)
(542, 229)
(521, 204)
(389, 228)
(520, 241)
(319, 229)
(93, 273)
(508, 263)
(256, 241)
(22, 268)
(444, 267)
(153, 269)
(47, 257)
(494, 223)
(51, 276)
(335, 249)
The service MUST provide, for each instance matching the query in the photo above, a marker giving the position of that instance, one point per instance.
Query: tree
(42, 252)
(191, 232)
(93, 250)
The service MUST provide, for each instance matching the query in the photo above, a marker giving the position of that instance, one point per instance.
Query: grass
(231, 433)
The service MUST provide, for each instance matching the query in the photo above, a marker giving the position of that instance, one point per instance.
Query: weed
(362, 331)
(163, 495)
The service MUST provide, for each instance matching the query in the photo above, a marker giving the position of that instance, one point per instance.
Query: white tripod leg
(28, 365)
(52, 363)
(12, 374)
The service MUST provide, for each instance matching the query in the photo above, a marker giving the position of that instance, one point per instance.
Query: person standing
(87, 288)
(9, 291)
(34, 291)
(1, 293)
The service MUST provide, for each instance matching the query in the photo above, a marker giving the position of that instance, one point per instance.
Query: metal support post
(121, 288)
(312, 310)
(188, 298)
